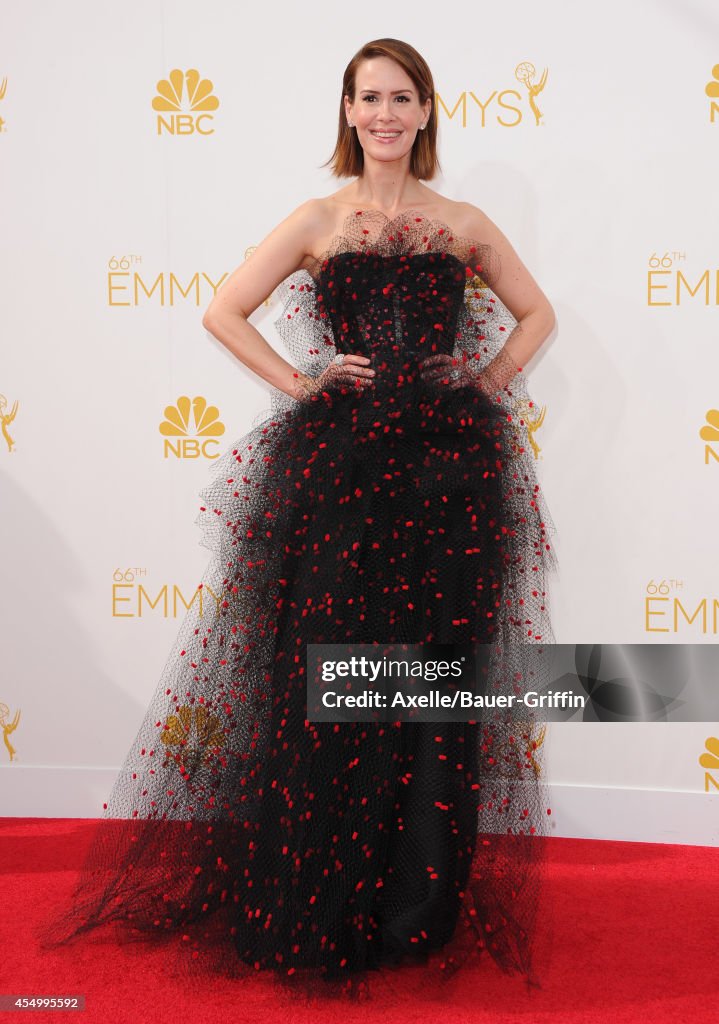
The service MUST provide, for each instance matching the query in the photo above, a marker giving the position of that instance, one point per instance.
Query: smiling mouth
(386, 135)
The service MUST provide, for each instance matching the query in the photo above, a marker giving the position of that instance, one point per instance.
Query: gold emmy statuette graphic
(199, 92)
(8, 727)
(3, 90)
(710, 430)
(533, 745)
(5, 419)
(193, 747)
(712, 88)
(533, 419)
(525, 73)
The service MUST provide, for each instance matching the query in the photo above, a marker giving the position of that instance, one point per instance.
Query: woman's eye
(406, 98)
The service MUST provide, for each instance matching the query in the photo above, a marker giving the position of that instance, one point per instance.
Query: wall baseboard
(580, 812)
(682, 817)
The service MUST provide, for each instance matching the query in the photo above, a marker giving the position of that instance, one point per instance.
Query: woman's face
(386, 102)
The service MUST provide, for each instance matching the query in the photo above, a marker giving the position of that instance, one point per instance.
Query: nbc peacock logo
(189, 429)
(709, 760)
(709, 433)
(712, 91)
(192, 737)
(184, 103)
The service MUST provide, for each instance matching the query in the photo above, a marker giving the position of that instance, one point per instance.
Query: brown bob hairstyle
(348, 157)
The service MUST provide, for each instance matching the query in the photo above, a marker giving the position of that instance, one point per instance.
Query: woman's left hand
(455, 373)
(445, 369)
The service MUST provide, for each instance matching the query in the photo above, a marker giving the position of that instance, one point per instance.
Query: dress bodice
(400, 305)
(397, 290)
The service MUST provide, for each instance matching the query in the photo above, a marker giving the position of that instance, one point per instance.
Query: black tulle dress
(404, 512)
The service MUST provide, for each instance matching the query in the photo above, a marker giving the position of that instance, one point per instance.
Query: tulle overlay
(407, 511)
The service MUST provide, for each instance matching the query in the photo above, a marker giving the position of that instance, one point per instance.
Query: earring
(350, 125)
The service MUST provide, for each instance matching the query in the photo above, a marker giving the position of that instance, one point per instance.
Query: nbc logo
(184, 101)
(712, 91)
(191, 417)
(710, 761)
(710, 432)
(193, 745)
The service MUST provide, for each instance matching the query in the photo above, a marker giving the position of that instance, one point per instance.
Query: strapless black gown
(404, 512)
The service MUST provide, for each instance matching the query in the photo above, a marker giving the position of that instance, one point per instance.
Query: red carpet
(634, 940)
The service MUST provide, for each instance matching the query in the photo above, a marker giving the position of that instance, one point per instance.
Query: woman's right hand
(353, 371)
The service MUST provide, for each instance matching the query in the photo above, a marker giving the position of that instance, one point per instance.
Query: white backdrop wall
(611, 200)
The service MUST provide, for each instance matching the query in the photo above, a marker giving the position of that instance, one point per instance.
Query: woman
(389, 498)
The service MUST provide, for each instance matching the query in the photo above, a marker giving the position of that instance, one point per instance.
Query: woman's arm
(515, 287)
(227, 317)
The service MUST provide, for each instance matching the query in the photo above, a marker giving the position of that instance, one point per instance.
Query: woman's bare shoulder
(457, 215)
(472, 221)
(330, 212)
(312, 216)
(320, 218)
